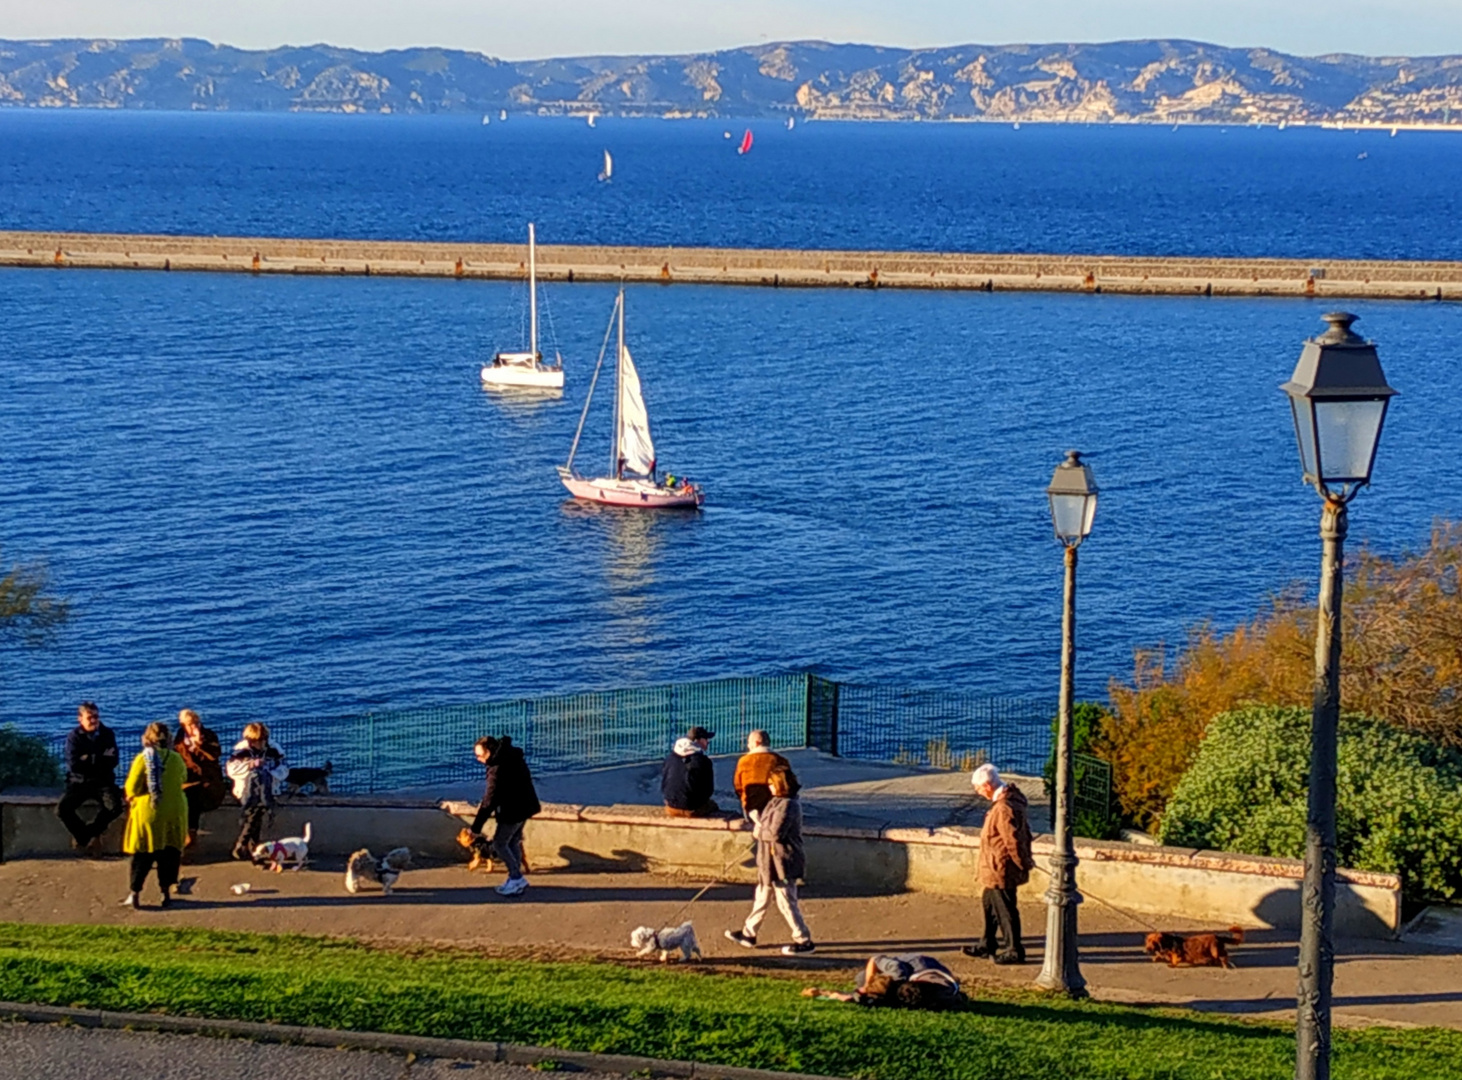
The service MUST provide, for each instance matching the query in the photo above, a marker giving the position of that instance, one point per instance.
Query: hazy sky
(518, 29)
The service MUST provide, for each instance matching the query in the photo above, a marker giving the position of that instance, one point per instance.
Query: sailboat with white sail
(525, 370)
(606, 174)
(633, 479)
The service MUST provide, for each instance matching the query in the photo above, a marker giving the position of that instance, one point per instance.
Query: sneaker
(1008, 958)
(745, 940)
(166, 901)
(979, 952)
(797, 948)
(130, 900)
(512, 887)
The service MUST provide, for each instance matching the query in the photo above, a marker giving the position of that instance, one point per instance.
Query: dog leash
(706, 888)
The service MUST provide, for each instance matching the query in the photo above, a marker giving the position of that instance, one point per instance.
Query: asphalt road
(42, 1051)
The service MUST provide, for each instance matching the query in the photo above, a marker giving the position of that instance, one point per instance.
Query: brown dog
(1194, 950)
(481, 850)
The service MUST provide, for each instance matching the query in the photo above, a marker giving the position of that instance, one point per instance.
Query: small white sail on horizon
(636, 448)
(606, 174)
(591, 119)
(791, 122)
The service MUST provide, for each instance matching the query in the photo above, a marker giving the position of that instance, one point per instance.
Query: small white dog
(363, 866)
(294, 850)
(666, 941)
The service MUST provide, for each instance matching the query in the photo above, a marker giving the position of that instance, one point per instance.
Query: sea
(290, 498)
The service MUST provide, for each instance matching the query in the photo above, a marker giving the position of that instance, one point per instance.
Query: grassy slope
(736, 1020)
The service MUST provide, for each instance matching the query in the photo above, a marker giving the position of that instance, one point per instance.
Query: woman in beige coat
(157, 814)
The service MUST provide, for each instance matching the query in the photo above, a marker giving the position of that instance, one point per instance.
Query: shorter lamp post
(1073, 497)
(1339, 396)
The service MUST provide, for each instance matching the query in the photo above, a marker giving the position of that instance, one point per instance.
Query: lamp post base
(1061, 970)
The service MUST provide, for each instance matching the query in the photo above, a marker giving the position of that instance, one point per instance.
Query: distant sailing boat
(606, 174)
(791, 122)
(591, 119)
(486, 119)
(525, 370)
(745, 146)
(632, 479)
(503, 115)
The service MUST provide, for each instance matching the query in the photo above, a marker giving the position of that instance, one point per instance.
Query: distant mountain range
(1121, 82)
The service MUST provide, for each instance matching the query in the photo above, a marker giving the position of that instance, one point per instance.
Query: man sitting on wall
(758, 763)
(91, 776)
(688, 777)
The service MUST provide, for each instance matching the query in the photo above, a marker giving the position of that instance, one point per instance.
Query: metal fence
(432, 747)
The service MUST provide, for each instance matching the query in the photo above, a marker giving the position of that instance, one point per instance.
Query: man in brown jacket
(1005, 865)
(752, 771)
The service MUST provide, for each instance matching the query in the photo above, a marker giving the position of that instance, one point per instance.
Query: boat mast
(584, 414)
(532, 295)
(618, 384)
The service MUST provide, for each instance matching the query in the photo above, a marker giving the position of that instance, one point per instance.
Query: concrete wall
(1334, 278)
(1213, 887)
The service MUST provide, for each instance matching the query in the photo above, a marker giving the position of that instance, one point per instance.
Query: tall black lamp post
(1073, 496)
(1339, 398)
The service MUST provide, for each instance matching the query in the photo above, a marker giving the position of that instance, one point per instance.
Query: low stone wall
(1335, 278)
(1156, 882)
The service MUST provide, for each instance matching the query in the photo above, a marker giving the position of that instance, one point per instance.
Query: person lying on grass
(905, 981)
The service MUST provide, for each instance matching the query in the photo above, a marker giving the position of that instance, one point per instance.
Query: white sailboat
(606, 174)
(591, 119)
(791, 122)
(525, 370)
(632, 479)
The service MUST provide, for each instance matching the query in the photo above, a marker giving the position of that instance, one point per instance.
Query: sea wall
(1325, 278)
(1207, 886)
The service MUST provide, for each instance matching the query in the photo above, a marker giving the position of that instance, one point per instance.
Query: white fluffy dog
(292, 850)
(666, 941)
(363, 866)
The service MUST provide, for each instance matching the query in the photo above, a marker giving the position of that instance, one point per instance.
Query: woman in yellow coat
(157, 817)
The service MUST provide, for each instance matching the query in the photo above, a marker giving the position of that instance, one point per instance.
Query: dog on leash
(291, 851)
(666, 941)
(481, 849)
(363, 867)
(1193, 950)
(317, 780)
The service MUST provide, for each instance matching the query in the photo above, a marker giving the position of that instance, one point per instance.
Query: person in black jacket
(508, 796)
(688, 776)
(91, 776)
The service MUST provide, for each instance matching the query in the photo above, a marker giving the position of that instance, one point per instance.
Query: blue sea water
(290, 498)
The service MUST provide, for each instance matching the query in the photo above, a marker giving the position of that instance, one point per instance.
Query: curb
(420, 1045)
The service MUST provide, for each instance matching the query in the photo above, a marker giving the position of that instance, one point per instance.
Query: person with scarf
(157, 815)
(256, 768)
(201, 754)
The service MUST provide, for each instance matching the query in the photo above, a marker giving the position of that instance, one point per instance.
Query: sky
(523, 29)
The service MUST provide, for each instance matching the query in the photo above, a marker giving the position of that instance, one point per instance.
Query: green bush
(1087, 718)
(26, 761)
(1398, 807)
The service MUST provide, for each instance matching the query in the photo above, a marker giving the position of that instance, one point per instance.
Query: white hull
(513, 377)
(644, 494)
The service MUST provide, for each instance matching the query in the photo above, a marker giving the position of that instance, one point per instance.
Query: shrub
(1399, 803)
(26, 761)
(1402, 663)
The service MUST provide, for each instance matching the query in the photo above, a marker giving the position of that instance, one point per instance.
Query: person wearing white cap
(1005, 864)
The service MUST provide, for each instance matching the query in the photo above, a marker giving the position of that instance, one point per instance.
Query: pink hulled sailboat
(633, 479)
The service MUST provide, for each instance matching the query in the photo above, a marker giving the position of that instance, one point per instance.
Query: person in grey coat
(780, 863)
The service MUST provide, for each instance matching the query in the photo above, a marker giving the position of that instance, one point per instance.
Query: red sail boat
(745, 146)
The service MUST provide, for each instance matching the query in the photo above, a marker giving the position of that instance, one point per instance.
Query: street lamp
(1339, 396)
(1073, 496)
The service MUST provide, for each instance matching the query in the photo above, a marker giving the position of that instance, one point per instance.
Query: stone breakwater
(1334, 278)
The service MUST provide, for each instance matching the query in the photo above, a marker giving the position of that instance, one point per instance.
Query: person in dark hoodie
(91, 776)
(688, 776)
(508, 796)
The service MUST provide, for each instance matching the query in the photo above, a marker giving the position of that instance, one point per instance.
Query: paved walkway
(77, 1053)
(835, 791)
(590, 915)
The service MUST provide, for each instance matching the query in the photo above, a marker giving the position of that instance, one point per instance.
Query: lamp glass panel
(1304, 429)
(1348, 431)
(1072, 514)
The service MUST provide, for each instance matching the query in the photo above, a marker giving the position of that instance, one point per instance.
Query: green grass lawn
(660, 1012)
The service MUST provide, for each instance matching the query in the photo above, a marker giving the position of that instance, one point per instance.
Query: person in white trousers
(780, 863)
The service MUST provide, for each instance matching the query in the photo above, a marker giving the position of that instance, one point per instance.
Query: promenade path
(576, 915)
